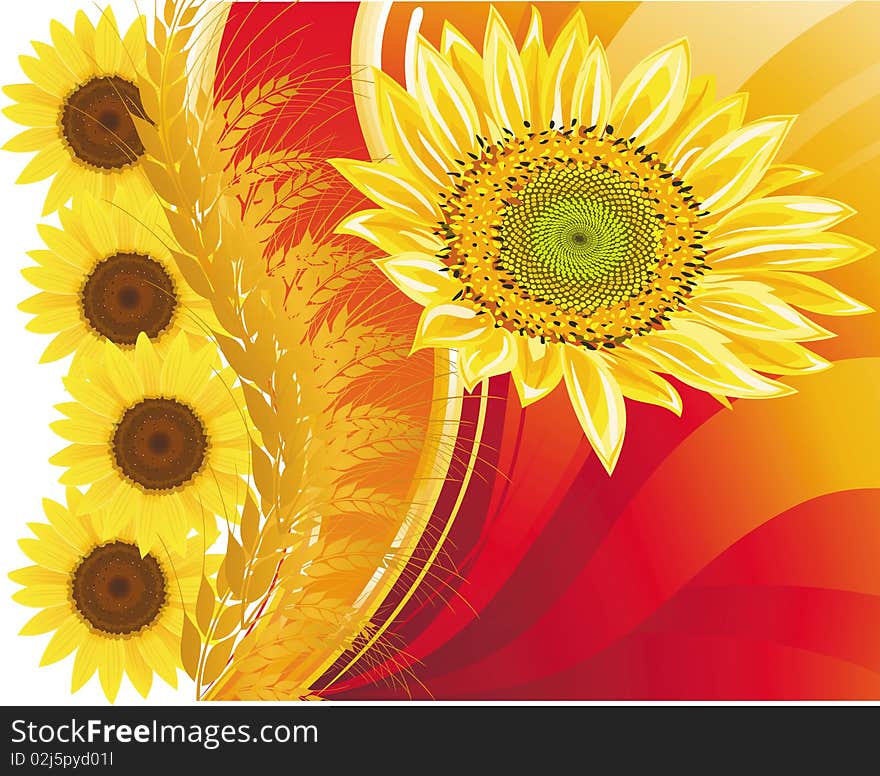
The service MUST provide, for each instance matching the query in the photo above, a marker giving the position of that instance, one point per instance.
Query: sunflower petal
(597, 402)
(145, 529)
(110, 667)
(47, 162)
(720, 119)
(750, 309)
(505, 79)
(591, 101)
(84, 31)
(66, 246)
(136, 667)
(810, 293)
(53, 321)
(696, 355)
(118, 512)
(538, 369)
(62, 188)
(468, 65)
(41, 575)
(31, 94)
(31, 139)
(44, 302)
(534, 58)
(815, 253)
(185, 372)
(134, 45)
(451, 325)
(389, 232)
(54, 555)
(86, 662)
(48, 72)
(759, 220)
(101, 492)
(175, 525)
(118, 371)
(563, 71)
(389, 186)
(420, 276)
(159, 655)
(405, 134)
(70, 635)
(54, 542)
(148, 364)
(495, 355)
(653, 94)
(59, 277)
(445, 102)
(40, 117)
(93, 397)
(73, 55)
(781, 176)
(42, 595)
(62, 345)
(68, 527)
(74, 499)
(91, 469)
(108, 42)
(776, 357)
(81, 430)
(640, 383)
(700, 97)
(46, 620)
(730, 168)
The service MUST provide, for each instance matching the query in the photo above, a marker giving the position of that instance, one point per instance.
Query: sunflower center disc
(126, 294)
(578, 238)
(574, 236)
(159, 444)
(116, 590)
(97, 124)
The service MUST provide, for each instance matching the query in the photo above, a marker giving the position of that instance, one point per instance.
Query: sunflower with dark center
(118, 610)
(163, 439)
(108, 274)
(561, 233)
(81, 107)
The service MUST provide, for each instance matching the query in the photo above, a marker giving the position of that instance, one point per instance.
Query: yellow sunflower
(108, 274)
(163, 442)
(119, 610)
(79, 107)
(562, 233)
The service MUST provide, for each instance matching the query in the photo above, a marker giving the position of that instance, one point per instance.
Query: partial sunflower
(561, 233)
(119, 610)
(79, 107)
(108, 274)
(163, 440)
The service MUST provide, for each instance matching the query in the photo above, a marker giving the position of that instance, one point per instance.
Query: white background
(30, 390)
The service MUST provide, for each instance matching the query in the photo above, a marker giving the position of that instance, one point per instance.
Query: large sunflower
(119, 610)
(109, 275)
(79, 107)
(163, 440)
(561, 233)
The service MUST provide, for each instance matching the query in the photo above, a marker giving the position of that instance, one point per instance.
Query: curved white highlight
(412, 31)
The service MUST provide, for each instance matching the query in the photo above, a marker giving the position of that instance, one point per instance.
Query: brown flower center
(116, 590)
(160, 443)
(126, 294)
(96, 122)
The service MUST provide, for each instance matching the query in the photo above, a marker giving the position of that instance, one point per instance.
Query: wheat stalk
(321, 514)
